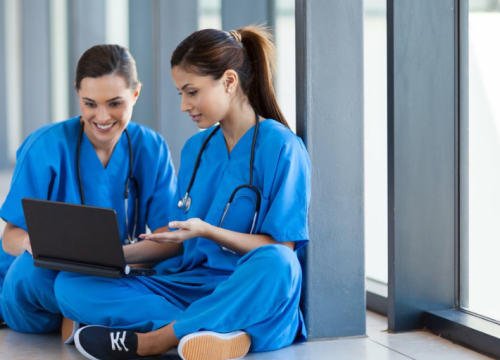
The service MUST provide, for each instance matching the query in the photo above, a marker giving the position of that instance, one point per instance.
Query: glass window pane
(375, 68)
(481, 164)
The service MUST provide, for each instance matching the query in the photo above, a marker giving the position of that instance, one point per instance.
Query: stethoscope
(131, 239)
(185, 202)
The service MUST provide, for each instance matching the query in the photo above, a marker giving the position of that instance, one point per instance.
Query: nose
(185, 104)
(102, 114)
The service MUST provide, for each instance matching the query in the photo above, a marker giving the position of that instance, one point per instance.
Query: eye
(90, 105)
(192, 92)
(115, 103)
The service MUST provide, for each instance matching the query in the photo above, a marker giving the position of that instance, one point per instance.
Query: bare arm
(15, 240)
(234, 241)
(147, 251)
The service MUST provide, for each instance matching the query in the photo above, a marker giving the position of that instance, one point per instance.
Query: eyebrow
(110, 100)
(185, 86)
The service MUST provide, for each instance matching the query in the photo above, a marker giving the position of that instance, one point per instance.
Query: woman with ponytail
(244, 192)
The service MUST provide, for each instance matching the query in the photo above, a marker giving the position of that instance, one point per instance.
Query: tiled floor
(378, 345)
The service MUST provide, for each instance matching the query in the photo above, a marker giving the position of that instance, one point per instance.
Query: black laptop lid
(74, 233)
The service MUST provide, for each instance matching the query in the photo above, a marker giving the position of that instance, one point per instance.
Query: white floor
(378, 345)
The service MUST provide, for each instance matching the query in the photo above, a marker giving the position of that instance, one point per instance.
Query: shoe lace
(116, 338)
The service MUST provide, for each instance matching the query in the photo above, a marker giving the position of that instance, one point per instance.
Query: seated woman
(244, 191)
(85, 160)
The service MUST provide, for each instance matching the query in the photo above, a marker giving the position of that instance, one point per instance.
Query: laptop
(77, 238)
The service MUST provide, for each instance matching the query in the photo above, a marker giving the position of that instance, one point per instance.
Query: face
(206, 100)
(106, 105)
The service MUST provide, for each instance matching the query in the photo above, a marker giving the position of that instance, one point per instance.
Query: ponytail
(249, 51)
(258, 43)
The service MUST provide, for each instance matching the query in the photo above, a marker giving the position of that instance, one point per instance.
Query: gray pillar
(422, 161)
(142, 47)
(4, 148)
(86, 28)
(238, 13)
(330, 120)
(174, 21)
(35, 39)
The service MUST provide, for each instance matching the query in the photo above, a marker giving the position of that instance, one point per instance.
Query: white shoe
(209, 345)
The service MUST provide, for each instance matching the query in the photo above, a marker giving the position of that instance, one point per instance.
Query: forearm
(14, 240)
(241, 243)
(148, 251)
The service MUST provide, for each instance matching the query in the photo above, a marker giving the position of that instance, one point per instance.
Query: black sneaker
(103, 343)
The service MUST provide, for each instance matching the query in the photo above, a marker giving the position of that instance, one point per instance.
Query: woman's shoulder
(274, 136)
(51, 135)
(142, 134)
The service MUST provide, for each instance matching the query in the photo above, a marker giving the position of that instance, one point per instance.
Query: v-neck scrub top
(47, 169)
(281, 173)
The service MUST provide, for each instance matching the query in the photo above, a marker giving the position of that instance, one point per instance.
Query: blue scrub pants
(5, 261)
(261, 297)
(27, 302)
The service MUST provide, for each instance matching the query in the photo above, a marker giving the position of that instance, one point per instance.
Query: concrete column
(35, 38)
(4, 147)
(142, 47)
(86, 28)
(422, 160)
(329, 48)
(174, 21)
(238, 13)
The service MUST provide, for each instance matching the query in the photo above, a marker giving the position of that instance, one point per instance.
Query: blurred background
(42, 40)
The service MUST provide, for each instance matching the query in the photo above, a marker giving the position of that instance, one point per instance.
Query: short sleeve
(159, 209)
(287, 218)
(33, 178)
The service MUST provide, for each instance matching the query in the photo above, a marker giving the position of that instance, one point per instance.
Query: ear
(231, 81)
(137, 92)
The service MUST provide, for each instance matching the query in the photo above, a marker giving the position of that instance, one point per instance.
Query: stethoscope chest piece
(184, 203)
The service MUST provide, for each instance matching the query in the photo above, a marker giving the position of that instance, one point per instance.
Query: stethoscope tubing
(185, 202)
(127, 182)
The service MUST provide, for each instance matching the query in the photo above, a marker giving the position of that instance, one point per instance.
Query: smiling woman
(100, 153)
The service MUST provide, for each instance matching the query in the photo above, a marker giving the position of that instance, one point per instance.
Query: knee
(24, 277)
(64, 286)
(282, 263)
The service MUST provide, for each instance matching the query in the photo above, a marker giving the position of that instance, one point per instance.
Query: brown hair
(101, 60)
(211, 52)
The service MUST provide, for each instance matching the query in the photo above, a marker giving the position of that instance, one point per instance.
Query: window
(480, 164)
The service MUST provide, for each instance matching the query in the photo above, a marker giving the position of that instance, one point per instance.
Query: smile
(104, 128)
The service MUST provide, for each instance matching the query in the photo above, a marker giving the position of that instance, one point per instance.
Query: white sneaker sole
(209, 345)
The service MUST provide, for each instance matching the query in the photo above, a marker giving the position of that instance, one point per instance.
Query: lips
(196, 117)
(104, 128)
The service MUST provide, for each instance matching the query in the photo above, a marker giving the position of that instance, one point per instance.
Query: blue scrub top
(281, 174)
(46, 169)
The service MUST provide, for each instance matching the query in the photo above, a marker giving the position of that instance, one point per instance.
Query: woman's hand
(186, 230)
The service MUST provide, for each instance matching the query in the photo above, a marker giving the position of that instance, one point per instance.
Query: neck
(104, 150)
(236, 124)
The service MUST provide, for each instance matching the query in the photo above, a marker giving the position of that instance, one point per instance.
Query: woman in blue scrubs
(237, 284)
(94, 146)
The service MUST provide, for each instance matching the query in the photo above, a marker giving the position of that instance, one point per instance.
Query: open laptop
(78, 238)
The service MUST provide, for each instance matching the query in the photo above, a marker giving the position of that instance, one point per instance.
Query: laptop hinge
(77, 267)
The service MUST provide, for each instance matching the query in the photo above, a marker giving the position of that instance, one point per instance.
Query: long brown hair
(249, 51)
(101, 60)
